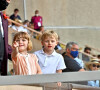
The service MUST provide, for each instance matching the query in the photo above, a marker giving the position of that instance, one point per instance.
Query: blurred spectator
(80, 62)
(15, 15)
(58, 47)
(93, 65)
(85, 58)
(37, 21)
(31, 25)
(26, 24)
(17, 27)
(98, 56)
(69, 58)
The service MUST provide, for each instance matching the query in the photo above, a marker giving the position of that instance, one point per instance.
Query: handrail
(93, 48)
(25, 27)
(87, 54)
(43, 78)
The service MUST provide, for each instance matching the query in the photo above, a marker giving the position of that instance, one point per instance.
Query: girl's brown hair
(26, 36)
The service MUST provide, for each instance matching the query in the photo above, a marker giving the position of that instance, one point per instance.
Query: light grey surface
(48, 78)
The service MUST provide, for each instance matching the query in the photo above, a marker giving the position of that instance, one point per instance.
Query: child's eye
(17, 40)
(46, 41)
(24, 40)
(52, 41)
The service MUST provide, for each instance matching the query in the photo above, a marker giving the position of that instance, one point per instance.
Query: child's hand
(15, 45)
(15, 50)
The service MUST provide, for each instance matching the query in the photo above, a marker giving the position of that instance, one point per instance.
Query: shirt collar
(24, 55)
(53, 54)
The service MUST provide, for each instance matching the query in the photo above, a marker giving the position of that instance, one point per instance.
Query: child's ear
(57, 42)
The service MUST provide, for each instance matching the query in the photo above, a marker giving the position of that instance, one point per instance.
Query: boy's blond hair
(49, 33)
(26, 36)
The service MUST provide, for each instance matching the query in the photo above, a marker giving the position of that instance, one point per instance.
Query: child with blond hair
(49, 60)
(24, 63)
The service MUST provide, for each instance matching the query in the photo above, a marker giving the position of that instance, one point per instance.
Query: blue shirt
(80, 62)
(94, 83)
(50, 63)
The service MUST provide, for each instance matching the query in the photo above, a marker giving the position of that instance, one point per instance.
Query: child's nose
(20, 41)
(49, 42)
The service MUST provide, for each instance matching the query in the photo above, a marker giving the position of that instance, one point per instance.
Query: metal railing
(49, 80)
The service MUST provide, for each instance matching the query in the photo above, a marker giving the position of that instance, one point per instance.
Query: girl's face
(23, 44)
(49, 43)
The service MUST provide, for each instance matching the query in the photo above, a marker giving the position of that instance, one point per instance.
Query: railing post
(43, 87)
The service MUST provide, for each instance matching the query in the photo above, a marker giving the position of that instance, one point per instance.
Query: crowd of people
(46, 60)
(35, 23)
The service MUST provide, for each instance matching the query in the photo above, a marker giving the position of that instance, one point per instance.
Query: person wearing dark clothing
(98, 56)
(15, 15)
(5, 49)
(69, 58)
(84, 57)
(71, 64)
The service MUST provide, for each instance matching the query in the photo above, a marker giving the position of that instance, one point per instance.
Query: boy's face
(49, 43)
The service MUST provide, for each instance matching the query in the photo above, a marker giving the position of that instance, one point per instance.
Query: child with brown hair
(23, 62)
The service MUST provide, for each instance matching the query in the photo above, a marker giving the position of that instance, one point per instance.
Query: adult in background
(15, 15)
(18, 27)
(93, 65)
(85, 58)
(5, 49)
(37, 21)
(69, 58)
(98, 56)
(26, 24)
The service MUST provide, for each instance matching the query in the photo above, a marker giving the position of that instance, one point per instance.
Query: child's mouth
(49, 46)
(21, 45)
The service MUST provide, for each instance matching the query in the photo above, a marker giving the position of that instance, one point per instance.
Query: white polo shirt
(50, 63)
